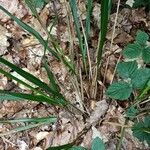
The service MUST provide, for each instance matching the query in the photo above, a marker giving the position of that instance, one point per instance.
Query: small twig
(122, 135)
(87, 49)
(115, 69)
(116, 124)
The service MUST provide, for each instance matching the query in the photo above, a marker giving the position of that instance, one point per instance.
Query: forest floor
(22, 49)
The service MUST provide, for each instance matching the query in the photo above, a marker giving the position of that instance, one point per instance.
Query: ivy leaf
(141, 38)
(140, 78)
(120, 90)
(126, 69)
(132, 51)
(98, 144)
(146, 54)
(141, 130)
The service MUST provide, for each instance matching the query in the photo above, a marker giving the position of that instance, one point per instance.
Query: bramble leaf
(97, 143)
(146, 54)
(119, 90)
(141, 130)
(126, 69)
(131, 112)
(132, 51)
(140, 78)
(141, 38)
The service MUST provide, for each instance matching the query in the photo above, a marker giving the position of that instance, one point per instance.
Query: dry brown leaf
(14, 7)
(100, 109)
(3, 40)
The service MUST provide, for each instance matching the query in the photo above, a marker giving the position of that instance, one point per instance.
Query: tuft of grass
(105, 11)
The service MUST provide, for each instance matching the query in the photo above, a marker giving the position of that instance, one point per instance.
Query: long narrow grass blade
(16, 79)
(30, 126)
(51, 119)
(105, 10)
(29, 77)
(50, 75)
(31, 5)
(74, 10)
(30, 30)
(62, 147)
(32, 97)
(64, 59)
(88, 17)
(4, 96)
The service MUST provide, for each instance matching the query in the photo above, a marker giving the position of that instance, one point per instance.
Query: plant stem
(122, 135)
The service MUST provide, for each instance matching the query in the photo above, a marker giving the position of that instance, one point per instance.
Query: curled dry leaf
(100, 109)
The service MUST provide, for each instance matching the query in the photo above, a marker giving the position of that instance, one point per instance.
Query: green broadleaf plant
(50, 93)
(134, 77)
(141, 130)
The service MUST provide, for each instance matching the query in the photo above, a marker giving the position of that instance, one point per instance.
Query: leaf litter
(68, 128)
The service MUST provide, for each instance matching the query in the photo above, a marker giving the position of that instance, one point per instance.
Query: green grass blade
(50, 75)
(19, 129)
(4, 96)
(8, 75)
(105, 11)
(28, 76)
(31, 5)
(32, 97)
(74, 10)
(30, 30)
(88, 17)
(62, 147)
(66, 61)
(51, 119)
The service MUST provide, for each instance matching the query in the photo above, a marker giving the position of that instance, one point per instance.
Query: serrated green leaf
(119, 90)
(141, 130)
(140, 78)
(132, 51)
(131, 112)
(141, 38)
(97, 144)
(148, 83)
(126, 69)
(146, 54)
